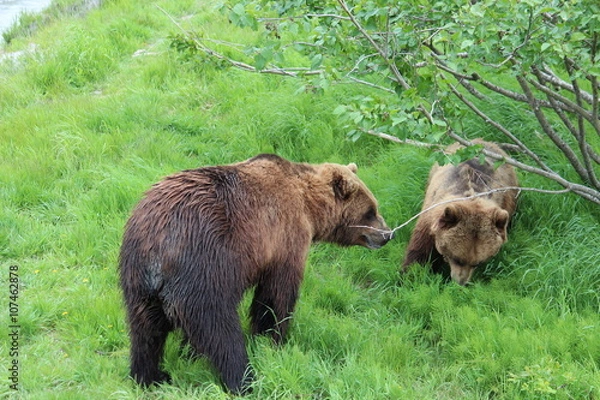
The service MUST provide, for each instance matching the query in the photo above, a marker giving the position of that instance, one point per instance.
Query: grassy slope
(85, 128)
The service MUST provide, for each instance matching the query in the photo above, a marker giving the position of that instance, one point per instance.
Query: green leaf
(482, 159)
(399, 119)
(498, 163)
(339, 110)
(466, 44)
(260, 61)
(239, 9)
(354, 135)
(356, 116)
(435, 137)
(316, 61)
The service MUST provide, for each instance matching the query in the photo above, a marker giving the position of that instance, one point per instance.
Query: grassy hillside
(103, 107)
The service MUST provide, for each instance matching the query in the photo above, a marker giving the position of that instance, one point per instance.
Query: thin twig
(398, 140)
(513, 53)
(360, 60)
(482, 194)
(391, 65)
(389, 62)
(335, 16)
(366, 83)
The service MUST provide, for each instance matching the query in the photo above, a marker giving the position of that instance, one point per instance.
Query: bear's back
(472, 177)
(249, 206)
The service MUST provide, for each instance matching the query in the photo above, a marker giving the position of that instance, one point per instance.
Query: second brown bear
(464, 233)
(200, 238)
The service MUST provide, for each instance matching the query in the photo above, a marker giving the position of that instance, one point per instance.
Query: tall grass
(104, 108)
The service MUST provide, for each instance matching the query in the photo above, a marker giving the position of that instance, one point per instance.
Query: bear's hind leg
(217, 334)
(149, 330)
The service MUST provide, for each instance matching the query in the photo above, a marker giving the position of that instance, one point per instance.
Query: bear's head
(356, 219)
(469, 233)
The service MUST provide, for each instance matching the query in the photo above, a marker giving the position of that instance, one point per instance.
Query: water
(10, 10)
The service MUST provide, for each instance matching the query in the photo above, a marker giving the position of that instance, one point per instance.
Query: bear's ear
(352, 167)
(449, 217)
(342, 186)
(501, 221)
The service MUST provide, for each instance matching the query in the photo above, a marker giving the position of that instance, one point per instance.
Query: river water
(10, 10)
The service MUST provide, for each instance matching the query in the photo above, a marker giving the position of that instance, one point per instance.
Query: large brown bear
(464, 233)
(200, 238)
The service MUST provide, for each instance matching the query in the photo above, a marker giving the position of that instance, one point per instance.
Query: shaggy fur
(467, 233)
(200, 238)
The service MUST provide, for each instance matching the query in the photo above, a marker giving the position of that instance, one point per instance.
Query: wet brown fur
(467, 233)
(200, 238)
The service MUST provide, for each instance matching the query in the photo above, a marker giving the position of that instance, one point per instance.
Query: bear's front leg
(420, 247)
(274, 301)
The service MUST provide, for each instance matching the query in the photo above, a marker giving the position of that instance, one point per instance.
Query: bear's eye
(458, 262)
(371, 214)
(501, 224)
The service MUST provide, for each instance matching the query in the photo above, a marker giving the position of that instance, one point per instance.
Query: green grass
(86, 127)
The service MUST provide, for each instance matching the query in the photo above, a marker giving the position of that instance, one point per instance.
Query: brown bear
(200, 238)
(464, 233)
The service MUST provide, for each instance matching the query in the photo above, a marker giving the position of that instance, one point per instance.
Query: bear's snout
(377, 237)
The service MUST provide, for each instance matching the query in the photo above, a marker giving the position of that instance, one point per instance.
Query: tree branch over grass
(432, 72)
(192, 42)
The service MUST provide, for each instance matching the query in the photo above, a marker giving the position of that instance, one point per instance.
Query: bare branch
(567, 105)
(476, 195)
(594, 81)
(583, 191)
(548, 76)
(508, 147)
(550, 132)
(588, 153)
(585, 148)
(462, 79)
(595, 104)
(501, 128)
(366, 83)
(580, 133)
(361, 81)
(274, 70)
(334, 16)
(514, 95)
(398, 140)
(471, 89)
